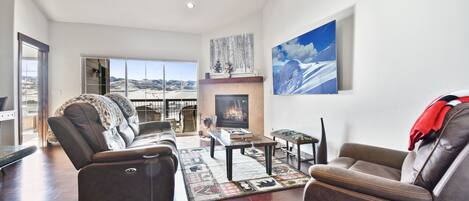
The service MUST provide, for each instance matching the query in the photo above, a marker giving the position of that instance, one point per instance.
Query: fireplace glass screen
(232, 111)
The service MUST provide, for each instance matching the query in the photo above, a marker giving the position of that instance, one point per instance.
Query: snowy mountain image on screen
(306, 64)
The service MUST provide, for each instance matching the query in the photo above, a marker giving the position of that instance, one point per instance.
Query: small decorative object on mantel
(229, 69)
(207, 76)
(217, 67)
(237, 52)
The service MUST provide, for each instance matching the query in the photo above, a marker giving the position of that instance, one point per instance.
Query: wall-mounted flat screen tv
(307, 64)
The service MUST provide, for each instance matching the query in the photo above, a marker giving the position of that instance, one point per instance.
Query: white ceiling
(169, 15)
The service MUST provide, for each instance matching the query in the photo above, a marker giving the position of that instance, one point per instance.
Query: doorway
(32, 91)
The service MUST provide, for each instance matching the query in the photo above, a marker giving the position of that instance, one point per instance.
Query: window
(158, 89)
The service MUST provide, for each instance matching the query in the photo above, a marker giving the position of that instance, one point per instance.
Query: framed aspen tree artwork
(233, 54)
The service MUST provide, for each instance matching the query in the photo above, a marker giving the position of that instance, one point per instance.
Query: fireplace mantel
(232, 80)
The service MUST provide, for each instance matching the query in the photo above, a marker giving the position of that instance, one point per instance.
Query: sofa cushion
(128, 110)
(342, 162)
(87, 121)
(126, 133)
(134, 122)
(155, 138)
(407, 171)
(154, 127)
(108, 112)
(436, 154)
(139, 144)
(376, 170)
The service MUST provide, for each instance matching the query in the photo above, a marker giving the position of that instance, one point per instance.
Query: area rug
(205, 177)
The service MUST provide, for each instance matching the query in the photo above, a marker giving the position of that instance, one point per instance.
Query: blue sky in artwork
(321, 37)
(153, 70)
(309, 47)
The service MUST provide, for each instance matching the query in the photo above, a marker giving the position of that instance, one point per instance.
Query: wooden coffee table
(230, 144)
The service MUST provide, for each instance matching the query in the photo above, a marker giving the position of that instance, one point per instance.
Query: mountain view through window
(147, 79)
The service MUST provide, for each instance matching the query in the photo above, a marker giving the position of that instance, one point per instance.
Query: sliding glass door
(181, 94)
(160, 90)
(145, 87)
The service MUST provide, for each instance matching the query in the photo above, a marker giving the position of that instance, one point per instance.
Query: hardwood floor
(48, 175)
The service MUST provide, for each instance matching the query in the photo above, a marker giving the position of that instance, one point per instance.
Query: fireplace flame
(234, 112)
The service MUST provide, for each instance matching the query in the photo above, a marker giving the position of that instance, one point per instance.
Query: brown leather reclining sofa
(143, 169)
(437, 171)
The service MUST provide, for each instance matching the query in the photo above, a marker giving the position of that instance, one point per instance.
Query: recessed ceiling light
(190, 4)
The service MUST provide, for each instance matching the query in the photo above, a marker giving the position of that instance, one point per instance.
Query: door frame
(43, 95)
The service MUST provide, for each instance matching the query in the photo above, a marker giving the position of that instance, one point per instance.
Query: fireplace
(232, 111)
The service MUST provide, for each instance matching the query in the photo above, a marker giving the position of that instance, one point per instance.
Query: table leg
(212, 146)
(274, 147)
(299, 157)
(269, 159)
(266, 153)
(314, 152)
(229, 163)
(242, 151)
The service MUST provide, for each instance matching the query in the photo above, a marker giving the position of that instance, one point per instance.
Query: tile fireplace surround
(251, 86)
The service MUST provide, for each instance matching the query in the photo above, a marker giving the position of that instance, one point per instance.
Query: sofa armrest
(140, 153)
(378, 155)
(154, 125)
(130, 180)
(369, 184)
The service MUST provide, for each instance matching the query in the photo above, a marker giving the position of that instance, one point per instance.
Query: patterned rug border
(188, 190)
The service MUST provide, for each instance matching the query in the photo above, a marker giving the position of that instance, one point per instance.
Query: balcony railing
(169, 107)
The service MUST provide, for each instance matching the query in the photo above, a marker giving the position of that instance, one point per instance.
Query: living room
(234, 100)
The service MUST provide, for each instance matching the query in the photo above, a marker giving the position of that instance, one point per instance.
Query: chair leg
(288, 149)
(299, 157)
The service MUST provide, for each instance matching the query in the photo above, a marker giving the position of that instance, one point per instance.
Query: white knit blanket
(108, 111)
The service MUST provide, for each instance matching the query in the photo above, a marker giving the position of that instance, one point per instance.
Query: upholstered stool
(298, 139)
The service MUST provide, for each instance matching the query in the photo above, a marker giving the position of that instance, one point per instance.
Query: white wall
(405, 54)
(70, 41)
(29, 20)
(16, 16)
(6, 66)
(249, 24)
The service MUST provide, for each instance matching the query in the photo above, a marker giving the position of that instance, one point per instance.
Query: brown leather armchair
(117, 164)
(436, 171)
